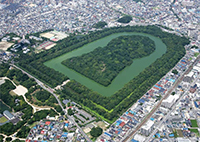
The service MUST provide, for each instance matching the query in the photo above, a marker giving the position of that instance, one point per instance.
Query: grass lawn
(194, 123)
(175, 133)
(195, 131)
(16, 82)
(180, 134)
(196, 54)
(12, 93)
(31, 126)
(3, 119)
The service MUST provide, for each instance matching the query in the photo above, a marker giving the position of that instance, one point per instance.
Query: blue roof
(171, 135)
(141, 101)
(196, 105)
(107, 134)
(67, 124)
(132, 112)
(65, 133)
(157, 86)
(173, 80)
(119, 121)
(158, 135)
(152, 119)
(134, 140)
(64, 136)
(117, 124)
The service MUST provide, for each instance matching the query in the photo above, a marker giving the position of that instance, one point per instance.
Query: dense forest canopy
(125, 19)
(103, 64)
(100, 24)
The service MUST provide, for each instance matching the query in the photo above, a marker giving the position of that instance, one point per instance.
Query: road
(159, 104)
(49, 89)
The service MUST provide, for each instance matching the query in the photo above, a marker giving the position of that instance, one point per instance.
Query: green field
(194, 123)
(195, 131)
(3, 119)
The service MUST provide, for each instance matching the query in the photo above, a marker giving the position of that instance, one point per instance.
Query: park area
(3, 119)
(194, 123)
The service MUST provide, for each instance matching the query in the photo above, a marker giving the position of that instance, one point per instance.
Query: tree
(17, 140)
(1, 138)
(23, 132)
(70, 112)
(100, 24)
(95, 132)
(8, 139)
(175, 71)
(125, 19)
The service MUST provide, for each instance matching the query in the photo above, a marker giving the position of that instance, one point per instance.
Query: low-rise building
(147, 128)
(167, 103)
(8, 115)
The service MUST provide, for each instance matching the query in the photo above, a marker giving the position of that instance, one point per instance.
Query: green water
(122, 78)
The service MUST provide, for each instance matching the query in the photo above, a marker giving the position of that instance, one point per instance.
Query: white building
(139, 138)
(147, 128)
(167, 103)
(8, 115)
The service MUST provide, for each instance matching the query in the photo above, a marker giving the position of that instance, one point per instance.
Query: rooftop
(148, 125)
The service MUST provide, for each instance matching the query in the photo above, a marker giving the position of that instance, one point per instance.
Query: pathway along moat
(122, 78)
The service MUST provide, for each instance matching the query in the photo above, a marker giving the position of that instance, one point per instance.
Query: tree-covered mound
(100, 24)
(125, 19)
(103, 64)
(108, 108)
